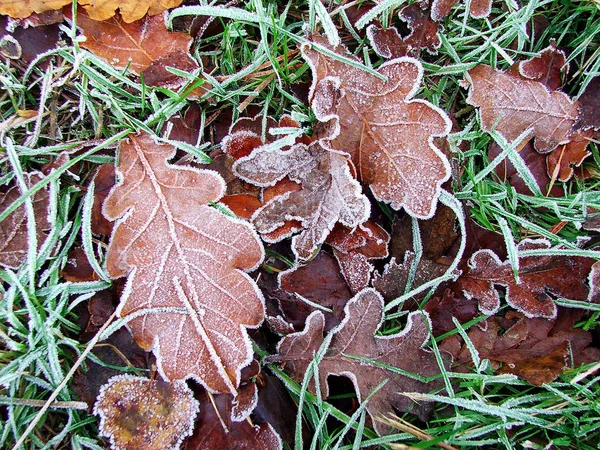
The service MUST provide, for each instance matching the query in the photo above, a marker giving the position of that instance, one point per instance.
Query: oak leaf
(14, 239)
(478, 8)
(356, 336)
(145, 46)
(185, 263)
(540, 279)
(388, 134)
(510, 104)
(142, 414)
(130, 10)
(329, 192)
(354, 249)
(424, 34)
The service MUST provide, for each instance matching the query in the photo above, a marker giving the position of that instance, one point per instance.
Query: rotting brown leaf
(388, 43)
(142, 414)
(388, 134)
(355, 248)
(540, 278)
(511, 104)
(329, 192)
(185, 263)
(478, 8)
(13, 232)
(145, 46)
(356, 336)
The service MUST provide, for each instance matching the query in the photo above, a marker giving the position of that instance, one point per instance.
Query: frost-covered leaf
(25, 40)
(141, 414)
(356, 336)
(13, 230)
(387, 133)
(447, 306)
(549, 67)
(388, 43)
(541, 278)
(329, 192)
(143, 45)
(511, 104)
(185, 263)
(478, 8)
(355, 248)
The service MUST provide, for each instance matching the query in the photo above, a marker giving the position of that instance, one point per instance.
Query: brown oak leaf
(185, 262)
(388, 43)
(355, 248)
(478, 8)
(13, 232)
(388, 134)
(145, 46)
(329, 192)
(356, 336)
(549, 67)
(540, 278)
(142, 414)
(216, 430)
(511, 104)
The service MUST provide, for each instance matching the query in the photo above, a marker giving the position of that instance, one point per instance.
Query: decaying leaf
(549, 67)
(185, 263)
(540, 278)
(355, 248)
(510, 104)
(319, 282)
(356, 336)
(141, 414)
(215, 429)
(145, 46)
(329, 193)
(537, 350)
(478, 8)
(25, 40)
(448, 305)
(13, 232)
(387, 133)
(388, 43)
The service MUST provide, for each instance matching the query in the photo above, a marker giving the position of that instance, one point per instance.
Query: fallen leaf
(356, 336)
(138, 413)
(78, 268)
(388, 43)
(184, 261)
(355, 248)
(540, 278)
(104, 180)
(215, 429)
(548, 68)
(589, 105)
(442, 309)
(25, 41)
(478, 9)
(24, 8)
(510, 104)
(320, 282)
(329, 192)
(14, 241)
(562, 160)
(387, 133)
(535, 349)
(144, 46)
(186, 127)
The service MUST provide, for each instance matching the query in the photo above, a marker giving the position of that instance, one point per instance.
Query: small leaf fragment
(141, 414)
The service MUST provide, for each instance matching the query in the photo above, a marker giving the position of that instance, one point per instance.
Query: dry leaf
(185, 261)
(13, 232)
(20, 9)
(540, 278)
(139, 45)
(141, 414)
(442, 309)
(511, 104)
(356, 336)
(549, 67)
(388, 43)
(478, 8)
(355, 248)
(388, 135)
(25, 40)
(329, 193)
(211, 434)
